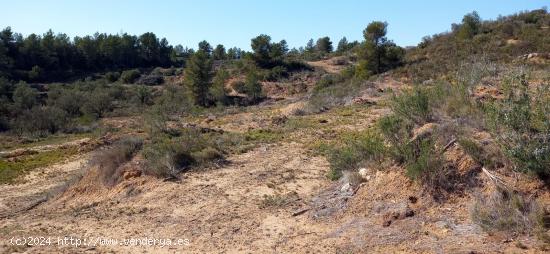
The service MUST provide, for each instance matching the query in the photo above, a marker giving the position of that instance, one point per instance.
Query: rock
(323, 121)
(365, 173)
(210, 119)
(346, 187)
(398, 213)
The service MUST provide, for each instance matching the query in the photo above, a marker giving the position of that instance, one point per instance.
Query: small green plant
(413, 105)
(10, 171)
(355, 150)
(277, 200)
(521, 123)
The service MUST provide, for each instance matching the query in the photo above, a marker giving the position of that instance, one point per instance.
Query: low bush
(112, 76)
(413, 105)
(109, 160)
(167, 156)
(41, 121)
(150, 80)
(355, 150)
(521, 124)
(510, 212)
(130, 76)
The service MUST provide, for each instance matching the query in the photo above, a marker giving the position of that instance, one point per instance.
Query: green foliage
(218, 91)
(521, 123)
(98, 104)
(50, 56)
(377, 54)
(396, 130)
(10, 171)
(423, 161)
(219, 53)
(130, 76)
(25, 97)
(36, 73)
(471, 24)
(239, 86)
(265, 53)
(69, 100)
(253, 88)
(143, 95)
(41, 121)
(167, 156)
(198, 77)
(502, 41)
(112, 76)
(324, 45)
(413, 105)
(355, 150)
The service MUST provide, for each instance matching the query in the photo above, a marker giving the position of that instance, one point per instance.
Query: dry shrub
(108, 161)
(510, 212)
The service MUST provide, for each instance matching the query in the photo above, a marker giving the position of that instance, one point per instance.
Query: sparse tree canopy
(205, 47)
(376, 32)
(324, 45)
(378, 54)
(266, 54)
(470, 26)
(219, 53)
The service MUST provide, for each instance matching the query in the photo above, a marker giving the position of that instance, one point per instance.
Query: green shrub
(521, 124)
(130, 76)
(69, 100)
(413, 105)
(167, 156)
(98, 104)
(253, 88)
(396, 130)
(423, 160)
(112, 76)
(24, 97)
(41, 121)
(355, 150)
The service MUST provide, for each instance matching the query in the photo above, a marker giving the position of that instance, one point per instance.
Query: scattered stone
(397, 214)
(413, 199)
(210, 119)
(131, 173)
(346, 187)
(365, 173)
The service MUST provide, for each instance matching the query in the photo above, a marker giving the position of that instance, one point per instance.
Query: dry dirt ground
(275, 198)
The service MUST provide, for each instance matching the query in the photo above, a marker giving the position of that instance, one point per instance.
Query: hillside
(439, 148)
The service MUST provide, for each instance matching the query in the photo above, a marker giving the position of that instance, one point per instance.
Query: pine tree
(198, 76)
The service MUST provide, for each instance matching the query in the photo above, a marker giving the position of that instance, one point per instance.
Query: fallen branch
(300, 212)
(499, 183)
(448, 145)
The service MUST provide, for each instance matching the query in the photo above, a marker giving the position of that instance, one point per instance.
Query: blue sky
(235, 22)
